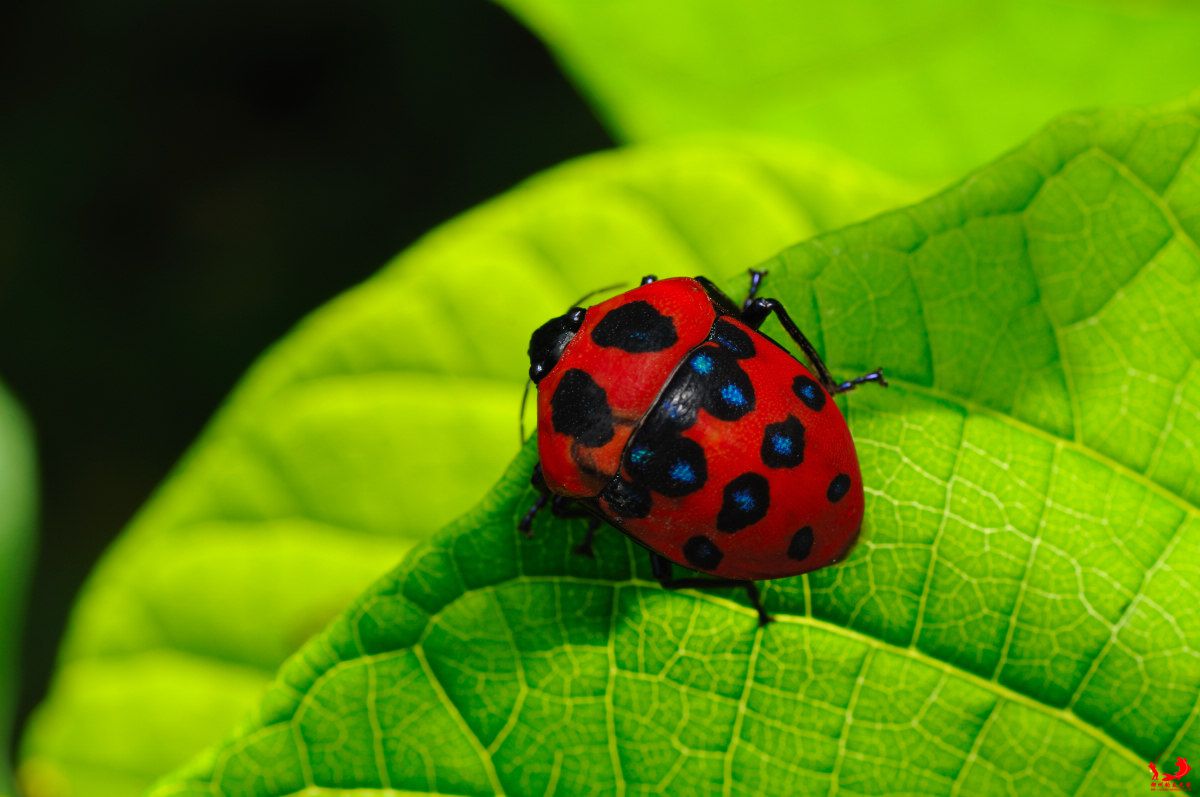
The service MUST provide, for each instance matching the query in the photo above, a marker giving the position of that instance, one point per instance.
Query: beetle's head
(549, 340)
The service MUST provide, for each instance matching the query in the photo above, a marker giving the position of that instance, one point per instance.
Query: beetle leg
(560, 506)
(875, 376)
(525, 525)
(756, 278)
(564, 507)
(584, 548)
(662, 568)
(756, 312)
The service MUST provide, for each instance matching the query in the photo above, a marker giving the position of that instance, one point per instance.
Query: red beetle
(664, 412)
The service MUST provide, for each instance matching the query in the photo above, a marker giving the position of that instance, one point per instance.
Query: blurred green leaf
(1020, 617)
(925, 88)
(18, 508)
(373, 424)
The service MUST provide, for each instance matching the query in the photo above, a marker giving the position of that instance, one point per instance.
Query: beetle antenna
(596, 292)
(521, 419)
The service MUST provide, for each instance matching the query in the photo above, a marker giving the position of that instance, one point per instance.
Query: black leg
(646, 280)
(570, 508)
(584, 548)
(663, 571)
(756, 313)
(875, 376)
(560, 506)
(525, 526)
(756, 278)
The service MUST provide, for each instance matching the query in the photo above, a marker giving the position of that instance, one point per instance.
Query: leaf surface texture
(379, 419)
(1019, 617)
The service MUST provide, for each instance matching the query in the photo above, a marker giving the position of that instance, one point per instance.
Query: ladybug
(665, 412)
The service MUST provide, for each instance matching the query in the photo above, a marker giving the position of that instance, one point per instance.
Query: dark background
(181, 182)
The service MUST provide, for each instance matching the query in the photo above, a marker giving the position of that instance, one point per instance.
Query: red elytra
(664, 412)
(631, 381)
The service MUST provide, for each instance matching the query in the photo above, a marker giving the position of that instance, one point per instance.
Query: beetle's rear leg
(663, 570)
(875, 376)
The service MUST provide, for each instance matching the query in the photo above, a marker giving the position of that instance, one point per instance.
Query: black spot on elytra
(838, 488)
(579, 408)
(663, 461)
(783, 444)
(626, 499)
(636, 328)
(734, 340)
(809, 392)
(745, 502)
(702, 553)
(801, 545)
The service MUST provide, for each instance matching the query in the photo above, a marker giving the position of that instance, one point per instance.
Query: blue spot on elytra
(682, 472)
(783, 443)
(733, 394)
(744, 500)
(639, 455)
(744, 503)
(809, 392)
(702, 363)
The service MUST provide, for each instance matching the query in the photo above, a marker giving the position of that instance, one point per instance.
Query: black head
(549, 340)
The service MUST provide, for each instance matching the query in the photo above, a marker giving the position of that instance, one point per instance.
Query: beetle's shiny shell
(701, 438)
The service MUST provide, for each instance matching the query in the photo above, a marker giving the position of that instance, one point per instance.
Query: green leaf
(1019, 617)
(18, 509)
(925, 88)
(373, 424)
